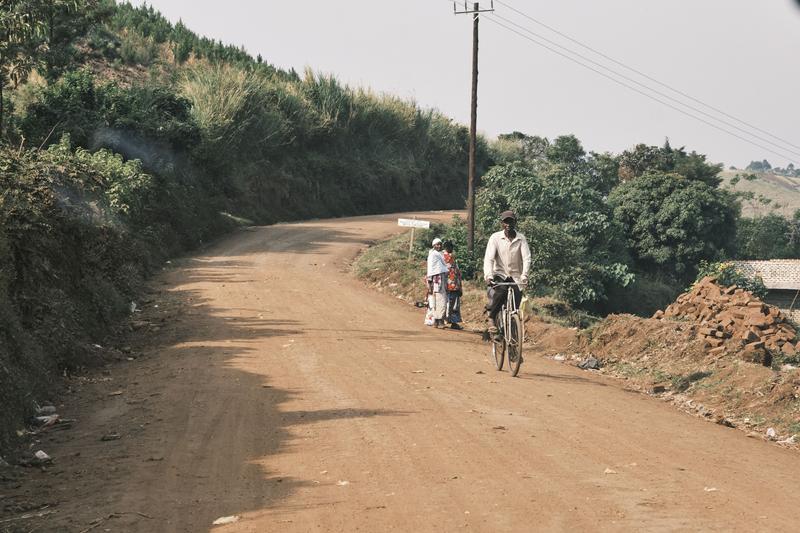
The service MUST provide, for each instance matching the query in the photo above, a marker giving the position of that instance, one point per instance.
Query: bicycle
(510, 333)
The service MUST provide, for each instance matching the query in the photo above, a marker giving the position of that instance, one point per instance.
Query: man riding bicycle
(507, 260)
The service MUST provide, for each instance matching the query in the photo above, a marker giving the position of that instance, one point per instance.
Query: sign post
(412, 223)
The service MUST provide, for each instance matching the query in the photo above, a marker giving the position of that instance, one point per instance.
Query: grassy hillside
(126, 139)
(781, 190)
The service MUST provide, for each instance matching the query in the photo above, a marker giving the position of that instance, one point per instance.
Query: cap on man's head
(507, 214)
(436, 241)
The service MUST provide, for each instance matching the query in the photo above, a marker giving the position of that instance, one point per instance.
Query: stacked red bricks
(734, 320)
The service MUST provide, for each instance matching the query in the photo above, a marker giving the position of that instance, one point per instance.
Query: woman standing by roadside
(453, 287)
(437, 284)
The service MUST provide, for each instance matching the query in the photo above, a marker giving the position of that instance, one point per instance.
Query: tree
(27, 27)
(643, 159)
(578, 249)
(517, 146)
(566, 150)
(20, 31)
(672, 222)
(759, 166)
(65, 22)
(604, 169)
(771, 236)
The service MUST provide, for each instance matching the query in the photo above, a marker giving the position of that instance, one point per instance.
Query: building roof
(775, 273)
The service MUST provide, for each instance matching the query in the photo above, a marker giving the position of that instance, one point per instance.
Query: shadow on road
(184, 412)
(184, 432)
(566, 378)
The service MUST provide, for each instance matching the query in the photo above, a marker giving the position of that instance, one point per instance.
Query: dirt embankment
(731, 320)
(717, 351)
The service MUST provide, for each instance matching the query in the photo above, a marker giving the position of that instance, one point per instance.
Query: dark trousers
(498, 295)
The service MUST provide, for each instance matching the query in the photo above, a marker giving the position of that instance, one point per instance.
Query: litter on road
(226, 520)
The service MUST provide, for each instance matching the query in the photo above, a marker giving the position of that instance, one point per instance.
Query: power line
(645, 86)
(615, 80)
(640, 73)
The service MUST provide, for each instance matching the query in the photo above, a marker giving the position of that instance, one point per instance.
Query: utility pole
(473, 120)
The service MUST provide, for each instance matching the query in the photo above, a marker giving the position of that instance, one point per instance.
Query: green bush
(771, 236)
(62, 249)
(127, 188)
(153, 29)
(148, 123)
(342, 150)
(672, 222)
(576, 246)
(518, 147)
(643, 159)
(727, 274)
(554, 311)
(74, 105)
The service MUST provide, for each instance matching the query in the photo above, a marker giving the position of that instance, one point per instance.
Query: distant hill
(782, 190)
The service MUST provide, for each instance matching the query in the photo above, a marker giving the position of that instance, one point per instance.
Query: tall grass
(312, 146)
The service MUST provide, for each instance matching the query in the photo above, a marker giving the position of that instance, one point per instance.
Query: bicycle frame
(509, 308)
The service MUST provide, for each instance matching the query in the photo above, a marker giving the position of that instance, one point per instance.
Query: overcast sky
(740, 56)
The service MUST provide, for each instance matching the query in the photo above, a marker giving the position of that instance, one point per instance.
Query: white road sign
(413, 223)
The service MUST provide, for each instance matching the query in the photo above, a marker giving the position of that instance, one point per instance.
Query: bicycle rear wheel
(498, 346)
(514, 344)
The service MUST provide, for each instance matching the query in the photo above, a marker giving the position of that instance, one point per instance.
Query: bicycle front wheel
(514, 344)
(498, 346)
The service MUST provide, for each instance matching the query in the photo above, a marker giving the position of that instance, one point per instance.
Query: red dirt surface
(709, 352)
(272, 386)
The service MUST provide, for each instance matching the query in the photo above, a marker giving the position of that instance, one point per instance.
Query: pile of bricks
(733, 319)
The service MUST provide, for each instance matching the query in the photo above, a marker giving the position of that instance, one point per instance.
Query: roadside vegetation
(389, 268)
(126, 139)
(618, 233)
(613, 236)
(624, 232)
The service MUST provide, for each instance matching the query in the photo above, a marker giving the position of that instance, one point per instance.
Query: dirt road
(276, 387)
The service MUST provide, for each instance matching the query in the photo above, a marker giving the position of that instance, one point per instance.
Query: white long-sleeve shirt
(507, 258)
(436, 263)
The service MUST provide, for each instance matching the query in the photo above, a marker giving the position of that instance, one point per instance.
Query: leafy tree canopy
(771, 236)
(671, 222)
(575, 244)
(759, 166)
(565, 151)
(642, 159)
(40, 33)
(517, 146)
